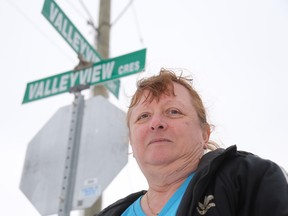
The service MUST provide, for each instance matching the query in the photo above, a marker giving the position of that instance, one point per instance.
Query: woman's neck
(163, 177)
(164, 180)
(159, 194)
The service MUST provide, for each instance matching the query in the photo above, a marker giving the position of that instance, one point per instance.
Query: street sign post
(63, 25)
(72, 155)
(100, 72)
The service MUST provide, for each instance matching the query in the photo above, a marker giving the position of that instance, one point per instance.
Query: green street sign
(99, 72)
(53, 13)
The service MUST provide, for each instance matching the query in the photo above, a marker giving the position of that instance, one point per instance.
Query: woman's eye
(174, 112)
(142, 116)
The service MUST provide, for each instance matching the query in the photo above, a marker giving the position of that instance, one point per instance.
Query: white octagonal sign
(103, 153)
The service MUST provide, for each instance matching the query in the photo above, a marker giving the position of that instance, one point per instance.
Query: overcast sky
(236, 52)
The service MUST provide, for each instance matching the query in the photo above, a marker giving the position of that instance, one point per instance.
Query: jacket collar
(220, 152)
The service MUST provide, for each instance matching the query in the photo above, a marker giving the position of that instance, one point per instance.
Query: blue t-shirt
(170, 207)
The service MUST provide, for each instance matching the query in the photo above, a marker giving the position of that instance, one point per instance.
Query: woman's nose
(158, 122)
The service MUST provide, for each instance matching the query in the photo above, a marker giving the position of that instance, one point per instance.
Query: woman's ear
(206, 135)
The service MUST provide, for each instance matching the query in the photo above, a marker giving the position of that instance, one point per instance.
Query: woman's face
(167, 131)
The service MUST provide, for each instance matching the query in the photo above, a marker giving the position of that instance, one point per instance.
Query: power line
(31, 22)
(122, 13)
(138, 26)
(91, 20)
(92, 23)
(76, 10)
(135, 19)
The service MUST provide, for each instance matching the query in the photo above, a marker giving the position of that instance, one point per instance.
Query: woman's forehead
(176, 94)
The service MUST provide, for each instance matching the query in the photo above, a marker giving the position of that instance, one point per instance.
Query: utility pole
(102, 40)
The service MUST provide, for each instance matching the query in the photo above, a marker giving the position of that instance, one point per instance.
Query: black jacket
(228, 183)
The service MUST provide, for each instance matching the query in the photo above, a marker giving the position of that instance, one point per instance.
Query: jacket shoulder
(117, 208)
(237, 180)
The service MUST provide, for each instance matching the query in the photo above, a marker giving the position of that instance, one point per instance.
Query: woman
(169, 135)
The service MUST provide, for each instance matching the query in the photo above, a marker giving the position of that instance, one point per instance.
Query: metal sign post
(71, 160)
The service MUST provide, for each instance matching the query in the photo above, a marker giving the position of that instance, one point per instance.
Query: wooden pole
(103, 40)
(102, 46)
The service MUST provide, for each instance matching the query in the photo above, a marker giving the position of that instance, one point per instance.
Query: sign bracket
(79, 88)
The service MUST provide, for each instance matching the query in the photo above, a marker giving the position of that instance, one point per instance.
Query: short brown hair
(162, 83)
